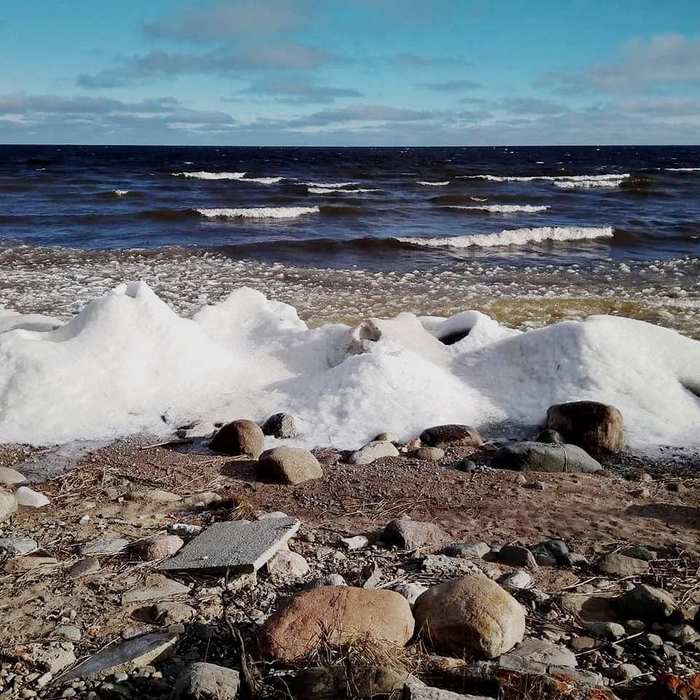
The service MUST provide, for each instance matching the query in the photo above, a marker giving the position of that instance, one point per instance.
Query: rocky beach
(445, 566)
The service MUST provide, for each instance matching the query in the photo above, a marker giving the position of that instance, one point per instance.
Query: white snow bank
(128, 363)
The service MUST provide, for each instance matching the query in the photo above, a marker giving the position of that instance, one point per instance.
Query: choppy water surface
(528, 234)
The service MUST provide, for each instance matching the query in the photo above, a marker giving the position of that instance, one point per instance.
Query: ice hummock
(127, 363)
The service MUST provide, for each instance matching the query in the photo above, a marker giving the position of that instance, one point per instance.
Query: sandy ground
(625, 504)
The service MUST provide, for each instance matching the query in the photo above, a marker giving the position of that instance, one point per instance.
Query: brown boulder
(336, 615)
(596, 427)
(241, 437)
(289, 465)
(447, 435)
(470, 615)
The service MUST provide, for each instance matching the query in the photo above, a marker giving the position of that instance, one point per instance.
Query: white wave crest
(263, 180)
(348, 190)
(329, 184)
(586, 184)
(683, 170)
(258, 212)
(518, 236)
(426, 183)
(205, 175)
(504, 208)
(563, 181)
(120, 193)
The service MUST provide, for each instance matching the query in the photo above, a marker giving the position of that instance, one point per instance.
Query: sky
(350, 72)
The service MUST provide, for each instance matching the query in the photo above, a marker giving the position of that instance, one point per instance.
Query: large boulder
(412, 534)
(451, 435)
(471, 615)
(596, 427)
(542, 457)
(204, 681)
(241, 437)
(289, 465)
(336, 615)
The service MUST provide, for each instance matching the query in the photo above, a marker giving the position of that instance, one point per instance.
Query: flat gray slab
(239, 545)
(160, 588)
(133, 653)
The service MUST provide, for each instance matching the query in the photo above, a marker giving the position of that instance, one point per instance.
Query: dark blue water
(359, 204)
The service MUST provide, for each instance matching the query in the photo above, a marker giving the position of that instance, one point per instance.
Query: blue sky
(350, 72)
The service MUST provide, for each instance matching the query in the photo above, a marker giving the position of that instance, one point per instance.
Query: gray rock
(17, 545)
(467, 550)
(538, 456)
(8, 505)
(288, 565)
(606, 630)
(28, 498)
(410, 591)
(550, 436)
(158, 588)
(84, 567)
(515, 555)
(107, 547)
(328, 580)
(583, 643)
(241, 437)
(239, 545)
(627, 672)
(11, 477)
(518, 580)
(647, 603)
(184, 530)
(552, 553)
(133, 653)
(413, 534)
(352, 544)
(451, 435)
(445, 567)
(281, 426)
(622, 565)
(653, 641)
(373, 451)
(204, 681)
(681, 634)
(289, 465)
(536, 656)
(160, 547)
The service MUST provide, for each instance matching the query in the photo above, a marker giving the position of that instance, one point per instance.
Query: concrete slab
(239, 545)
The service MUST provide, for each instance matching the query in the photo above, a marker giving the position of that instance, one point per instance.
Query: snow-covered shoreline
(127, 363)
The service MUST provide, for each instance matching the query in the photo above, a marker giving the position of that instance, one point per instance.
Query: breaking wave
(258, 212)
(683, 170)
(562, 181)
(348, 190)
(427, 183)
(518, 236)
(205, 175)
(502, 208)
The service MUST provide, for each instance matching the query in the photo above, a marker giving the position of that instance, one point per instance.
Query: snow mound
(128, 363)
